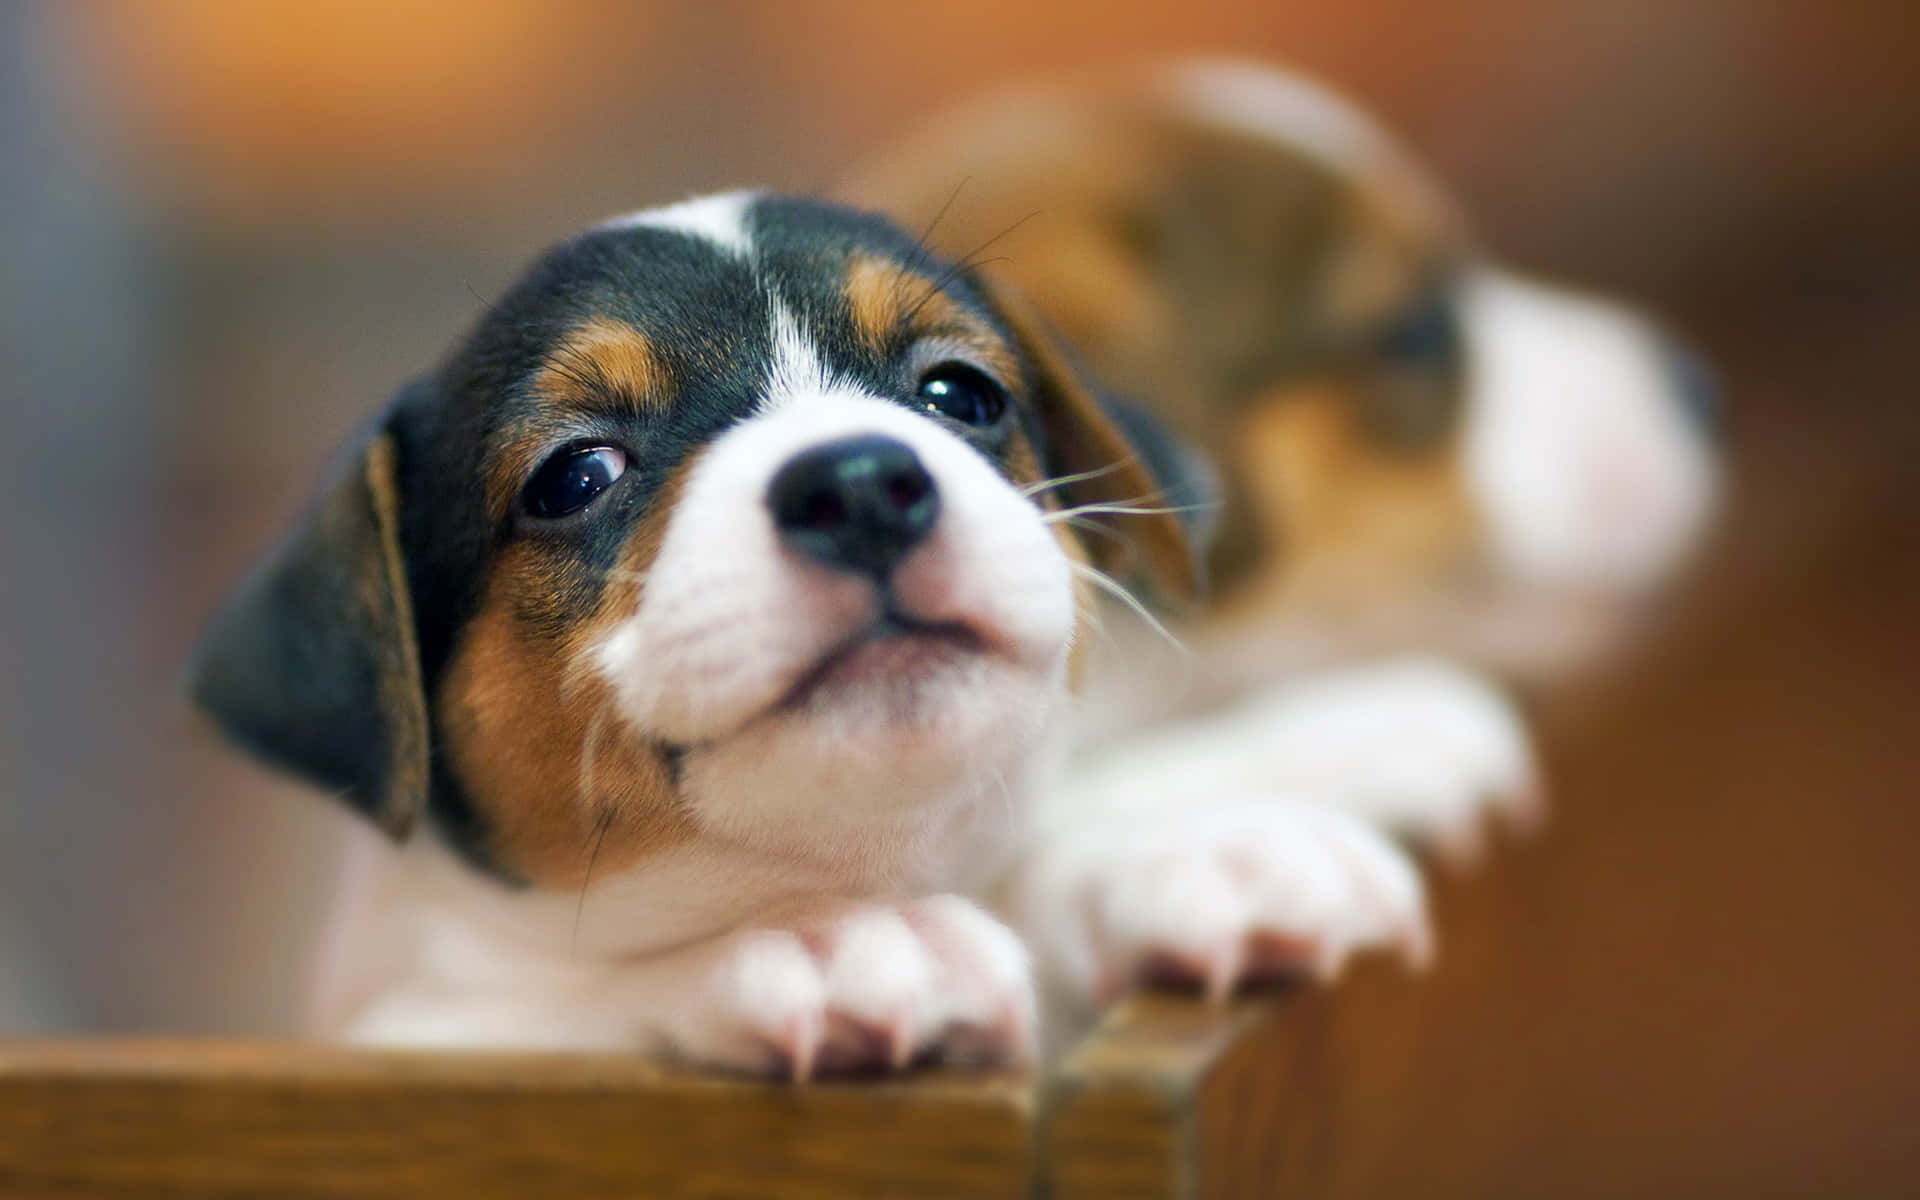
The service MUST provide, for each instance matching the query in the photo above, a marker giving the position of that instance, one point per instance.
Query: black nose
(1698, 389)
(860, 504)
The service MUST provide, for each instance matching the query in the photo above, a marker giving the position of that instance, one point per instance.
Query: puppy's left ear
(313, 663)
(1084, 438)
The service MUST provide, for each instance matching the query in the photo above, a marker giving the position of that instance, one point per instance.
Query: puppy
(1416, 446)
(1406, 455)
(698, 628)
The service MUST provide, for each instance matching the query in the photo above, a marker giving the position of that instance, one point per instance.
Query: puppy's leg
(1171, 861)
(1419, 746)
(836, 987)
(1254, 841)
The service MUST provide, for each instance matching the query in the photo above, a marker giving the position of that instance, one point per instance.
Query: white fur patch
(1578, 451)
(720, 219)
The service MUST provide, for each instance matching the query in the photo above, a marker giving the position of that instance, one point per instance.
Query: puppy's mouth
(893, 646)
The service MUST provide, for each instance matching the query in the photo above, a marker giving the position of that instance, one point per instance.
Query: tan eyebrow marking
(888, 301)
(604, 359)
(876, 294)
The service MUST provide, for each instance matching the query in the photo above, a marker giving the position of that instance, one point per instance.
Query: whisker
(922, 251)
(1080, 510)
(1089, 611)
(966, 263)
(1158, 493)
(489, 307)
(589, 748)
(961, 268)
(600, 828)
(1045, 485)
(1010, 806)
(1081, 523)
(1113, 587)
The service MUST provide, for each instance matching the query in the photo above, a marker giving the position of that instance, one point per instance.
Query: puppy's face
(1411, 438)
(732, 520)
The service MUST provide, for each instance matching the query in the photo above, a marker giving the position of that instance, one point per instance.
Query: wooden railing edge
(1168, 1096)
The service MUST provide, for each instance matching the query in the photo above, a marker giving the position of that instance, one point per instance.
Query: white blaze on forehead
(795, 368)
(720, 219)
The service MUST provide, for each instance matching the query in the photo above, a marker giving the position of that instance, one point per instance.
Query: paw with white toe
(1422, 747)
(858, 988)
(1218, 892)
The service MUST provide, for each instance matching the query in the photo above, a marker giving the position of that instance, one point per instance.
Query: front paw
(859, 988)
(1419, 746)
(1219, 892)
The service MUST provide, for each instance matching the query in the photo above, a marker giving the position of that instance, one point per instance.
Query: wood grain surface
(213, 1120)
(1169, 1097)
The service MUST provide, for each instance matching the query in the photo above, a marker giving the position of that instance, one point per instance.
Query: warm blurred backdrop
(230, 228)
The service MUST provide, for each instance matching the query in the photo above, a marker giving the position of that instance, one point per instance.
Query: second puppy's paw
(857, 988)
(1218, 892)
(1422, 747)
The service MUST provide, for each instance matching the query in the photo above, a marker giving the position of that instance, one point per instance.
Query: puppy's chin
(898, 676)
(899, 733)
(894, 695)
(896, 727)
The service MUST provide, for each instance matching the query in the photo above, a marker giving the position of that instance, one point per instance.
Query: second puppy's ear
(313, 664)
(1084, 439)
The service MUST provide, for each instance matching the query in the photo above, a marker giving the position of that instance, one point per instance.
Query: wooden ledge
(1169, 1097)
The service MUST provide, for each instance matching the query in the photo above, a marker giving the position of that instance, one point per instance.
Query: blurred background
(231, 229)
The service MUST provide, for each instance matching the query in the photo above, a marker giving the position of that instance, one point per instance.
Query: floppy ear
(1084, 438)
(312, 663)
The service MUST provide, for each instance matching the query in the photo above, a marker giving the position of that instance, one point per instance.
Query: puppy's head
(1412, 438)
(734, 519)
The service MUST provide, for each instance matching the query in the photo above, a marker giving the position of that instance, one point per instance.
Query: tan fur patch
(607, 357)
(876, 293)
(1359, 526)
(891, 304)
(562, 786)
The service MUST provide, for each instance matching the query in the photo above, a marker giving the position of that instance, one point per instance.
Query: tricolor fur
(1420, 449)
(713, 627)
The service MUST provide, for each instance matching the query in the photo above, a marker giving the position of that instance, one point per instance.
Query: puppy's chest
(430, 914)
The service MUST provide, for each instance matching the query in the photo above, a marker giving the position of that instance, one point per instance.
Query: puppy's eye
(1423, 334)
(568, 482)
(967, 394)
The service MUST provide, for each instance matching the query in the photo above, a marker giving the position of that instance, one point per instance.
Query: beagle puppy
(698, 628)
(1416, 445)
(711, 628)
(1424, 458)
